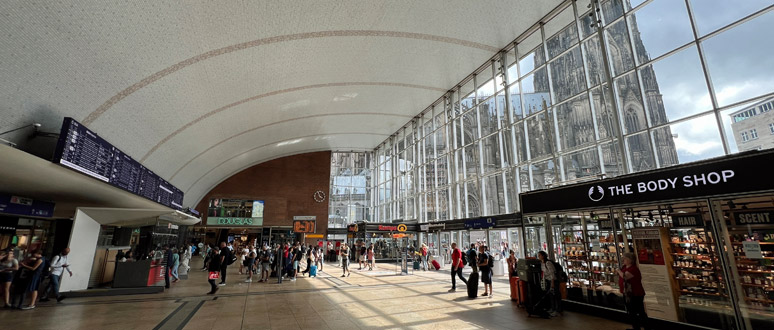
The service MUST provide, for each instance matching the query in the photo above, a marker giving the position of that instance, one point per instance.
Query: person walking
(309, 257)
(371, 257)
(175, 264)
(319, 257)
(361, 256)
(8, 267)
(485, 262)
(630, 284)
(265, 262)
(186, 259)
(344, 253)
(550, 282)
(225, 257)
(456, 267)
(58, 265)
(167, 263)
(214, 270)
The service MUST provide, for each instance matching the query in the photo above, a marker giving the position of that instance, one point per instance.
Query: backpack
(463, 258)
(46, 264)
(561, 275)
(489, 260)
(231, 258)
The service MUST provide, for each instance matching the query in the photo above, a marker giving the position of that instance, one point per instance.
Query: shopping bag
(214, 275)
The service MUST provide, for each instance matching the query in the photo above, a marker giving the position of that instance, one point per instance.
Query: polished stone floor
(378, 299)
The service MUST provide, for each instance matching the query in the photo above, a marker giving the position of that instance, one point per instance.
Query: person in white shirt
(58, 266)
(184, 267)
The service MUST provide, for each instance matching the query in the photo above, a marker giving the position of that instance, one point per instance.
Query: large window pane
(487, 88)
(491, 153)
(675, 87)
(531, 53)
(563, 40)
(458, 132)
(640, 152)
(467, 101)
(521, 142)
(470, 127)
(567, 75)
(501, 110)
(443, 170)
(440, 141)
(430, 206)
(471, 160)
(516, 112)
(576, 123)
(594, 61)
(688, 141)
(495, 194)
(740, 60)
(612, 9)
(487, 114)
(612, 161)
(507, 140)
(539, 136)
(711, 15)
(473, 196)
(630, 103)
(536, 92)
(543, 174)
(603, 108)
(618, 49)
(443, 204)
(581, 164)
(738, 123)
(659, 27)
(524, 178)
(512, 188)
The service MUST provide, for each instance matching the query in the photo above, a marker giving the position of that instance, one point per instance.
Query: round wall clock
(319, 196)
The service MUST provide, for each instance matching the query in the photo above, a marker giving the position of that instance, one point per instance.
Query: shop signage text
(424, 227)
(480, 223)
(25, 206)
(221, 221)
(608, 224)
(754, 217)
(304, 226)
(388, 228)
(402, 228)
(752, 250)
(687, 220)
(439, 226)
(735, 174)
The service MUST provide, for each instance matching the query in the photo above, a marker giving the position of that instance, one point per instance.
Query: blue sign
(480, 223)
(25, 206)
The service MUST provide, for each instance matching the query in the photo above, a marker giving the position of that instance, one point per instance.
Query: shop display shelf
(754, 271)
(698, 243)
(762, 243)
(696, 268)
(691, 254)
(702, 293)
(759, 300)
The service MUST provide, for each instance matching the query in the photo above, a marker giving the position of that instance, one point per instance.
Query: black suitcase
(473, 285)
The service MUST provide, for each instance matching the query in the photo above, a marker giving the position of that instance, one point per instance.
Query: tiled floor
(378, 299)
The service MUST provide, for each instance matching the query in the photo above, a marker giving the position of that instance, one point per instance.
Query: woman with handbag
(630, 283)
(30, 275)
(8, 267)
(214, 269)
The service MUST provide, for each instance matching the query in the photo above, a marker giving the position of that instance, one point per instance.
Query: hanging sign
(759, 217)
(480, 223)
(25, 206)
(687, 220)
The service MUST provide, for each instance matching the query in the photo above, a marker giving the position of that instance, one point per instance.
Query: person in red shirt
(630, 284)
(456, 267)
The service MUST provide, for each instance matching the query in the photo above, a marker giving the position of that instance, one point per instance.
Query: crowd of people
(23, 278)
(283, 261)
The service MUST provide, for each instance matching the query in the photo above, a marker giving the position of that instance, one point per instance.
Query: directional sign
(304, 226)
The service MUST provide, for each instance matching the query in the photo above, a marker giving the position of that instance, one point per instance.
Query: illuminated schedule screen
(84, 151)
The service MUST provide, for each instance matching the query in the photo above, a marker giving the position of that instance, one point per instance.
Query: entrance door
(535, 236)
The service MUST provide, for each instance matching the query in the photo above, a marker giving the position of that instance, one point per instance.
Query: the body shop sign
(234, 222)
(735, 174)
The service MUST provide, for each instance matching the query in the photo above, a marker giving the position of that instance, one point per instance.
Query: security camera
(36, 124)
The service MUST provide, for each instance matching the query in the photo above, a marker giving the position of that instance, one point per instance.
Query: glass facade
(637, 86)
(351, 191)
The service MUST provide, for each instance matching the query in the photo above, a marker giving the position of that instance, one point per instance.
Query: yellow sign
(314, 236)
(398, 235)
(402, 227)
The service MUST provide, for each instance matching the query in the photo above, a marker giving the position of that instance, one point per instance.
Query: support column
(83, 246)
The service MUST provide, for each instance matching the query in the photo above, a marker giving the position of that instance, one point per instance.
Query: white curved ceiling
(198, 91)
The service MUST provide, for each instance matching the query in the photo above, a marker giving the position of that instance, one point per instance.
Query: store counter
(132, 274)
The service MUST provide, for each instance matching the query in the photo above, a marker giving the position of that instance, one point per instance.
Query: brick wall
(286, 186)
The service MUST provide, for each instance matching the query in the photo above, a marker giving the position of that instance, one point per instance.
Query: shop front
(388, 239)
(703, 235)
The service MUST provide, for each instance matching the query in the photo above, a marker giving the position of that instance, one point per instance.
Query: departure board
(84, 151)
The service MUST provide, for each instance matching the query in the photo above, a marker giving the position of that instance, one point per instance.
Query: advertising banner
(652, 253)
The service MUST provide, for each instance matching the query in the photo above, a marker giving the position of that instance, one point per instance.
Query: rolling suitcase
(473, 285)
(436, 265)
(313, 271)
(416, 265)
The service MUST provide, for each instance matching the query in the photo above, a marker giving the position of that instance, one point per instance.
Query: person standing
(58, 265)
(423, 256)
(512, 261)
(187, 254)
(279, 262)
(371, 257)
(456, 267)
(319, 258)
(265, 262)
(361, 257)
(31, 275)
(167, 262)
(550, 282)
(214, 270)
(344, 253)
(630, 284)
(249, 262)
(8, 267)
(310, 255)
(484, 263)
(225, 257)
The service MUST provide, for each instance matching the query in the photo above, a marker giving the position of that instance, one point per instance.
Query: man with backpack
(458, 262)
(486, 263)
(58, 265)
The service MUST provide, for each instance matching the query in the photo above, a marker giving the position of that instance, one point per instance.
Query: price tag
(752, 250)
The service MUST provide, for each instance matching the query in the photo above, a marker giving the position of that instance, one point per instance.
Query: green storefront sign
(234, 222)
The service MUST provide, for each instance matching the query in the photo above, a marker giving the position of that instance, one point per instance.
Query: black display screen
(84, 151)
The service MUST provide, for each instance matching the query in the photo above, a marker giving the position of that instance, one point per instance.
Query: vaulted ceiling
(198, 90)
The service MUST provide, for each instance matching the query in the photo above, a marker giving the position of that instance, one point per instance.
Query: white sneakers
(248, 280)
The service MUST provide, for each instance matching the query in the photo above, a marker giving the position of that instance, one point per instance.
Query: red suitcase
(436, 265)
